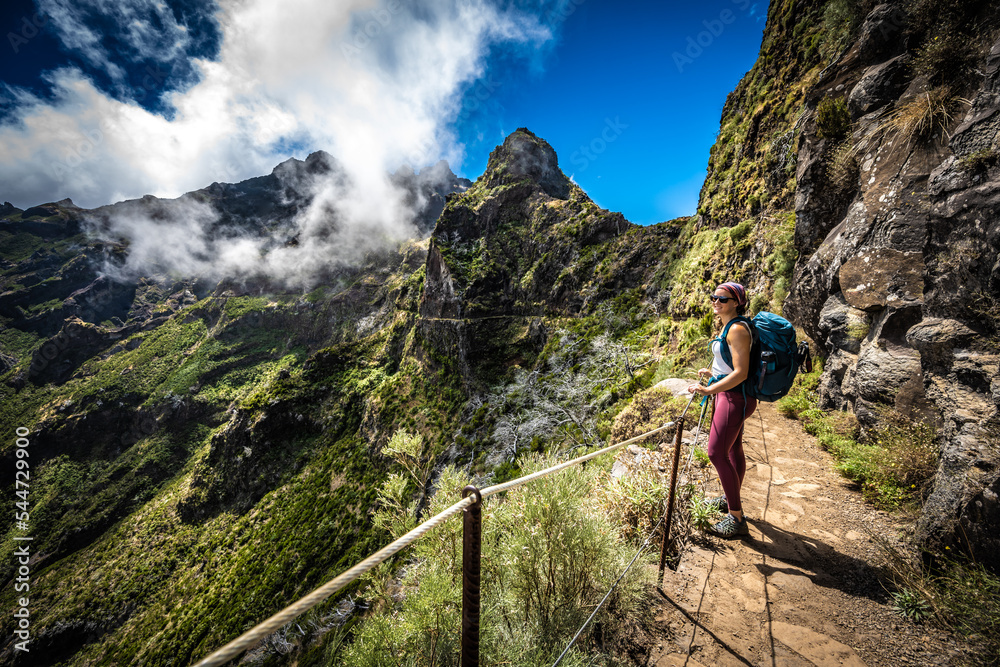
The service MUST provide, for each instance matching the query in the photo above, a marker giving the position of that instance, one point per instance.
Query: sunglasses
(723, 299)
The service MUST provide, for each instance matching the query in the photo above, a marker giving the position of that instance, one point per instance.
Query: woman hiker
(732, 407)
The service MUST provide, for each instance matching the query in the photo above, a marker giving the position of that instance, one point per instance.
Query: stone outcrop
(898, 281)
(524, 242)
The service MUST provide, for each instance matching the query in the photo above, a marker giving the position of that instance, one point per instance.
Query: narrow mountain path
(804, 589)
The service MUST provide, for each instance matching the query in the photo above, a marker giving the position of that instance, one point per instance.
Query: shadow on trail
(820, 562)
(697, 624)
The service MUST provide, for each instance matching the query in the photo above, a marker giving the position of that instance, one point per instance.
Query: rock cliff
(897, 195)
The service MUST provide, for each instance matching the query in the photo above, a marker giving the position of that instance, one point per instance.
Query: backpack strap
(727, 355)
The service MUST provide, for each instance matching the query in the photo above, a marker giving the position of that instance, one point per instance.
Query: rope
(613, 587)
(286, 615)
(521, 481)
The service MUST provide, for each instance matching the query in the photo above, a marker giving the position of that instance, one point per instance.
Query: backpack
(774, 357)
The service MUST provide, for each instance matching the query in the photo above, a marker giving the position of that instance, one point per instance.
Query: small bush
(911, 605)
(946, 59)
(842, 167)
(908, 453)
(702, 516)
(635, 500)
(833, 121)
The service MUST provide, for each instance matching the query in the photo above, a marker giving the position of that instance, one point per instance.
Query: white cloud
(148, 28)
(373, 83)
(304, 71)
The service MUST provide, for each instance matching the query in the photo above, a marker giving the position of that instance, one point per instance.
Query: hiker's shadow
(817, 560)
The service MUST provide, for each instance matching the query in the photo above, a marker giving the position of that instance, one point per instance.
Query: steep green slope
(202, 455)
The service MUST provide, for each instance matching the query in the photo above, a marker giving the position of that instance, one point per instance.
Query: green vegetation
(893, 464)
(16, 246)
(946, 59)
(251, 447)
(550, 554)
(833, 121)
(841, 19)
(703, 516)
(951, 592)
(751, 168)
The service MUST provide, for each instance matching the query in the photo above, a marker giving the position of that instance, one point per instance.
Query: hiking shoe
(730, 527)
(718, 504)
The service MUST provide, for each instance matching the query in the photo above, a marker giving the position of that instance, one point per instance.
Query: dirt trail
(804, 589)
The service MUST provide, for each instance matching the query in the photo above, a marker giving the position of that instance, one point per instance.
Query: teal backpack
(774, 356)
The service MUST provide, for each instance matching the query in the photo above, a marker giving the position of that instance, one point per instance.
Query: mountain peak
(525, 155)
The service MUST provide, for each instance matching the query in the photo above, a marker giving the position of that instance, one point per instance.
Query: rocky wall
(899, 271)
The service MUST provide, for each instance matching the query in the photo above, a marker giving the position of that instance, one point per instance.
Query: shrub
(911, 605)
(946, 59)
(833, 121)
(550, 553)
(894, 467)
(908, 454)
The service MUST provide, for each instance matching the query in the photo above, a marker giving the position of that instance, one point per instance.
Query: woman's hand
(698, 389)
(704, 373)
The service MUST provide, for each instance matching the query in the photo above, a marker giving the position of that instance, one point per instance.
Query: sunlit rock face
(899, 269)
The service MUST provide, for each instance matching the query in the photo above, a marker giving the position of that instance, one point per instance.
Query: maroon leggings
(725, 442)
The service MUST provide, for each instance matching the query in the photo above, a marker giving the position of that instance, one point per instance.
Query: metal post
(670, 497)
(472, 542)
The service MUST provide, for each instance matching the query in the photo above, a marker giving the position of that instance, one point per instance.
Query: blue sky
(109, 99)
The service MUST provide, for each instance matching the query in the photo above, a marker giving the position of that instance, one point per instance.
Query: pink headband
(738, 291)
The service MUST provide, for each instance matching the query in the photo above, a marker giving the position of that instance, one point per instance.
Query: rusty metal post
(670, 497)
(472, 542)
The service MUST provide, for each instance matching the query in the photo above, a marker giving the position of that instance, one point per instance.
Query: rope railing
(286, 615)
(521, 481)
(289, 613)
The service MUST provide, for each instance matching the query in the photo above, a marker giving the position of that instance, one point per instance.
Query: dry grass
(842, 166)
(925, 117)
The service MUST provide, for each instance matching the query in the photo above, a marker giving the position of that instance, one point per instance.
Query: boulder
(879, 36)
(879, 277)
(842, 326)
(884, 371)
(879, 85)
(676, 386)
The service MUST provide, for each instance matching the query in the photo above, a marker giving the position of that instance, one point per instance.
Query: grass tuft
(925, 117)
(833, 121)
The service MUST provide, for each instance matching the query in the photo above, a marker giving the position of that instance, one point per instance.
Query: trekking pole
(697, 435)
(673, 484)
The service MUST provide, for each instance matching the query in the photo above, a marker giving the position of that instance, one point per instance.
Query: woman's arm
(739, 345)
